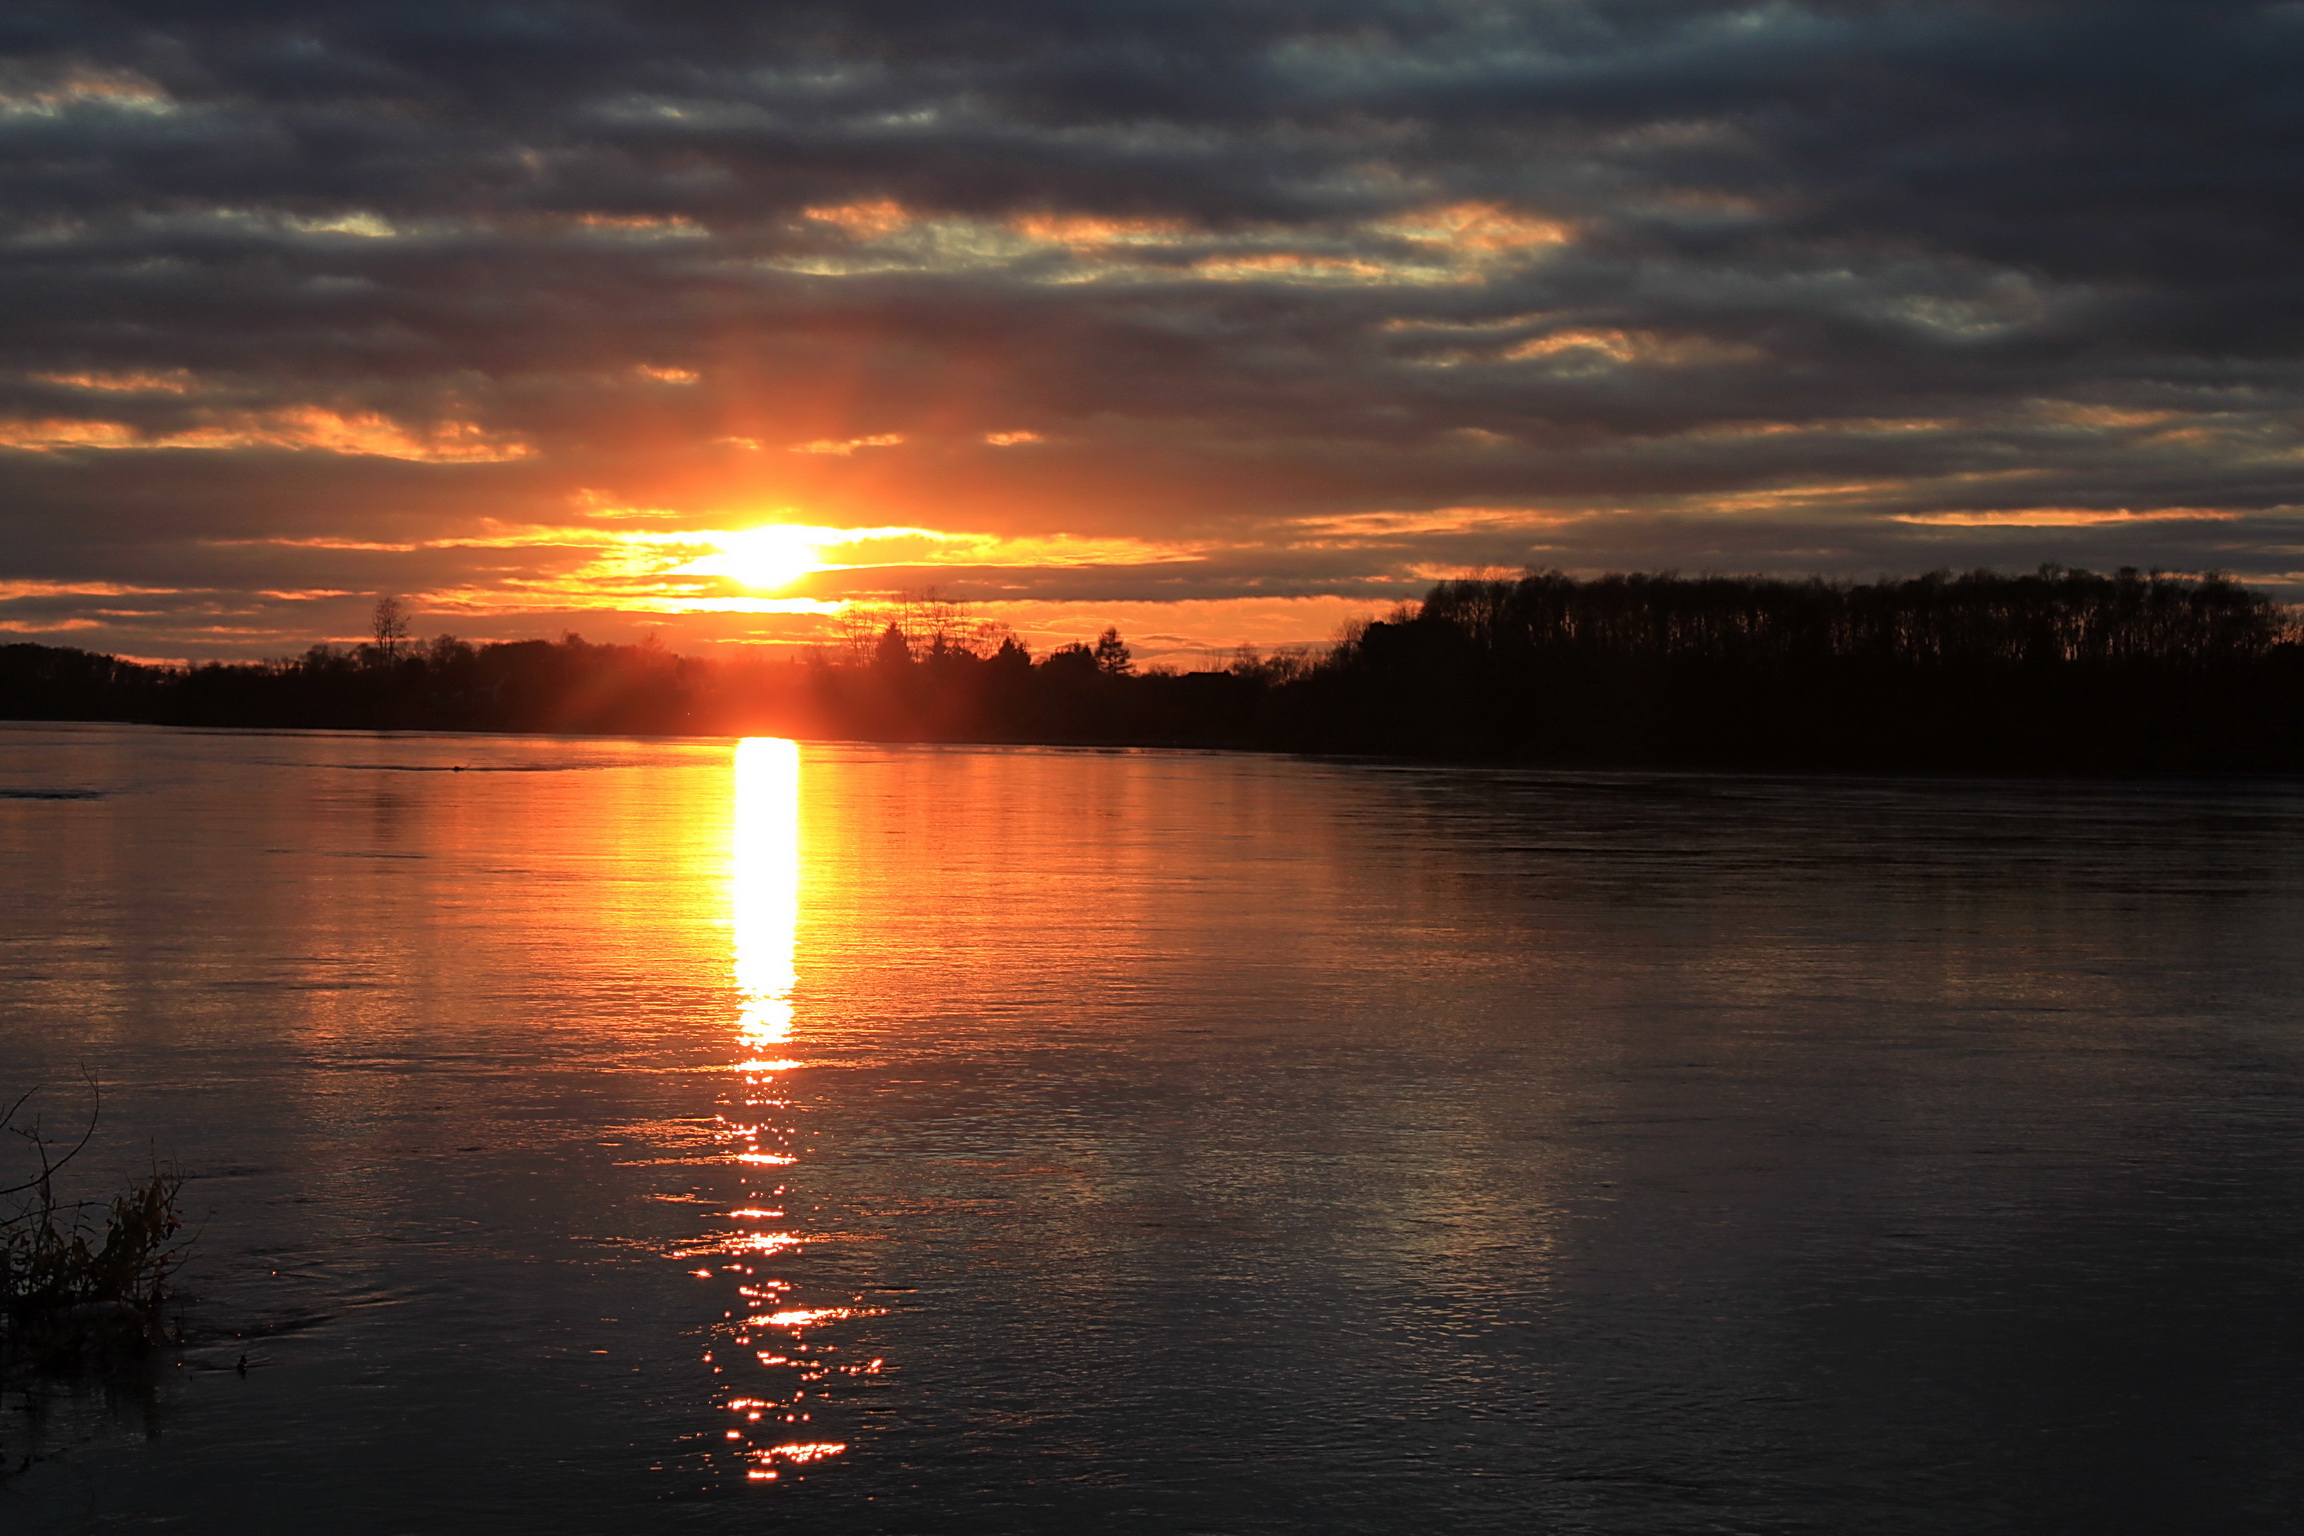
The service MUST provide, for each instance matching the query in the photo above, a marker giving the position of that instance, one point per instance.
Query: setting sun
(769, 557)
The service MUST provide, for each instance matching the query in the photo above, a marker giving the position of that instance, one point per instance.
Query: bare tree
(931, 624)
(389, 624)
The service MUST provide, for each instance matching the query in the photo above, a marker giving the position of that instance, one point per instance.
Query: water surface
(612, 1136)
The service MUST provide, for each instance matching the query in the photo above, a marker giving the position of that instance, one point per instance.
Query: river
(615, 1135)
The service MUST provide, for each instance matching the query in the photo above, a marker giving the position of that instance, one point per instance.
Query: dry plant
(81, 1273)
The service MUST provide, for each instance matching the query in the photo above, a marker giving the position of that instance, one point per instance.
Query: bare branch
(48, 1169)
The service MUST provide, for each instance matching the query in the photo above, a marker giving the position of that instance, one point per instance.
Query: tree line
(2063, 670)
(2056, 670)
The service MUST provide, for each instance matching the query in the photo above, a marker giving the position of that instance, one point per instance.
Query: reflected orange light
(765, 889)
(803, 1317)
(764, 918)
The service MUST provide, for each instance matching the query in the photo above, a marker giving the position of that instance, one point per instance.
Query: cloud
(289, 427)
(2064, 517)
(1288, 304)
(843, 447)
(176, 381)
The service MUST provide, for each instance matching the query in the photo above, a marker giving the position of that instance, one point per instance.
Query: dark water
(1176, 1143)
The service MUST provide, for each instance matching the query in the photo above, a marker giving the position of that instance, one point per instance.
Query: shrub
(81, 1273)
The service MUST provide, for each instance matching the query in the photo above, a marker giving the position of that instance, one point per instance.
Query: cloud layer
(1263, 310)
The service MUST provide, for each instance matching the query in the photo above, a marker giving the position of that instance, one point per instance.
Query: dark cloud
(1826, 287)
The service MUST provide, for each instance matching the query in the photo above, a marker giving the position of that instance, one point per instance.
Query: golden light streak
(765, 887)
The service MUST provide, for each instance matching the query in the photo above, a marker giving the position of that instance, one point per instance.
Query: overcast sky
(1221, 321)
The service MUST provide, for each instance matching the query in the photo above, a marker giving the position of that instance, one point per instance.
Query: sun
(769, 557)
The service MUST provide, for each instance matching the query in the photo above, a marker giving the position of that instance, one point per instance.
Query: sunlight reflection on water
(764, 890)
(764, 904)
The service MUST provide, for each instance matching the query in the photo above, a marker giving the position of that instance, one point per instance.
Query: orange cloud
(1490, 228)
(871, 547)
(53, 433)
(564, 596)
(2064, 517)
(865, 220)
(670, 571)
(301, 427)
(18, 591)
(2101, 415)
(1792, 497)
(176, 381)
(1498, 323)
(647, 226)
(1857, 426)
(1359, 527)
(1081, 232)
(53, 626)
(1647, 347)
(839, 447)
(1297, 264)
(118, 89)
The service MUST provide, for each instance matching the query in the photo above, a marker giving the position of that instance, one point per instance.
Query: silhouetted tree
(2053, 669)
(1112, 658)
(389, 624)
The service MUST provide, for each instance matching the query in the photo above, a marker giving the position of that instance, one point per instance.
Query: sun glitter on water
(766, 893)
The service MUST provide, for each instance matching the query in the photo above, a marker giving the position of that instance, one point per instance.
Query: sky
(1220, 322)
